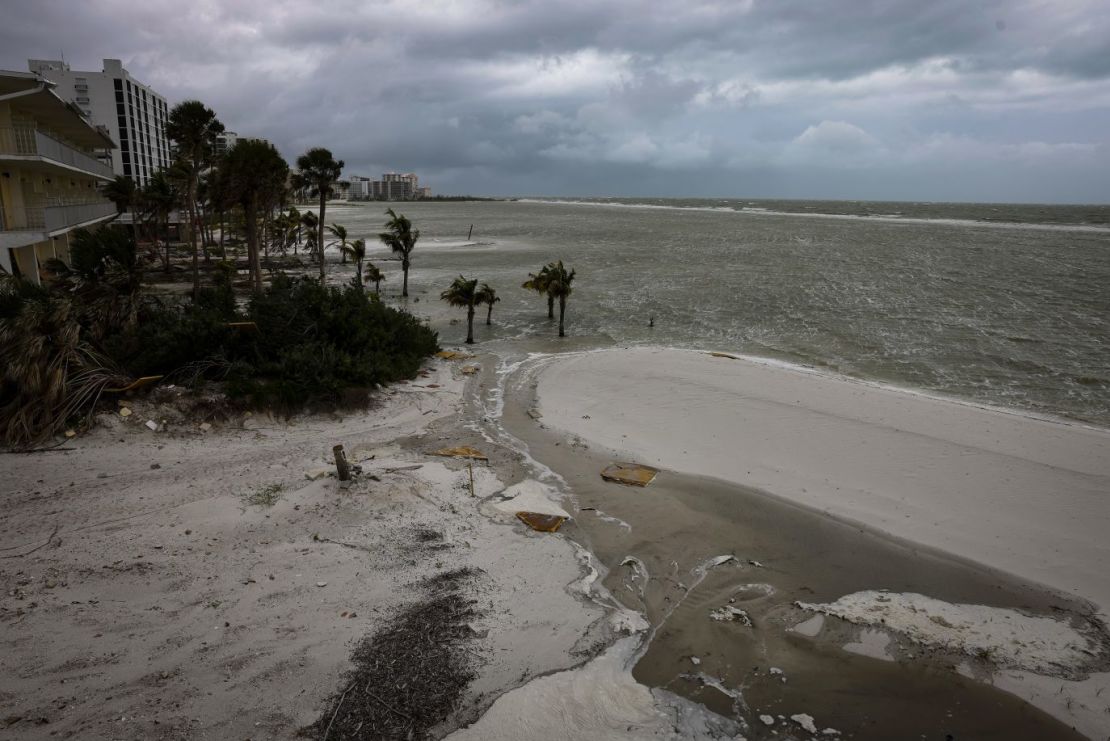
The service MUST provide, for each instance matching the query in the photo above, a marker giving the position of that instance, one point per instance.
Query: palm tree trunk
(223, 251)
(358, 272)
(562, 311)
(378, 287)
(252, 248)
(470, 325)
(550, 306)
(489, 315)
(193, 238)
(405, 284)
(320, 238)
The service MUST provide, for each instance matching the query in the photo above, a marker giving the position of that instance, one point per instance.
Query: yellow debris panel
(540, 522)
(453, 355)
(724, 355)
(470, 370)
(462, 451)
(632, 474)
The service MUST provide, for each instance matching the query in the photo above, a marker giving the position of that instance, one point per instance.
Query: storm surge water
(1006, 305)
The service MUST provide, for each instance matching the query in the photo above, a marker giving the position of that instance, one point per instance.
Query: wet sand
(654, 540)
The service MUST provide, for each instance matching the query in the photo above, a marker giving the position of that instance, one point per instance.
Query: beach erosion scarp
(1019, 495)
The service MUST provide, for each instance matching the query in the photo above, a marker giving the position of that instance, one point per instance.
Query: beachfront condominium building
(228, 139)
(395, 186)
(52, 164)
(133, 114)
(361, 189)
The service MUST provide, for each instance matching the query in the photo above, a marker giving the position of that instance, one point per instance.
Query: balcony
(27, 141)
(39, 223)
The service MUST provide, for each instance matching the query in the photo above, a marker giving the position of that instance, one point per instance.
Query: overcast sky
(903, 99)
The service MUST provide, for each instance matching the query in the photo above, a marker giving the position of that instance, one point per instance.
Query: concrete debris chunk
(152, 425)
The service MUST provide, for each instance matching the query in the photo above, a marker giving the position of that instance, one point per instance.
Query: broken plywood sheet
(453, 355)
(632, 474)
(540, 522)
(530, 496)
(462, 451)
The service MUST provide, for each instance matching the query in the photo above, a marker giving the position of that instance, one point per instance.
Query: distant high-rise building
(395, 186)
(133, 114)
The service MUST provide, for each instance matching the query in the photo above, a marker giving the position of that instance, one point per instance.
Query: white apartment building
(361, 188)
(395, 186)
(133, 114)
(52, 163)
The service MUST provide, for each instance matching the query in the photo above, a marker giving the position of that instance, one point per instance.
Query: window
(118, 84)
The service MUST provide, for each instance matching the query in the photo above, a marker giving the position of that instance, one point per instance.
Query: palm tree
(319, 171)
(193, 128)
(254, 172)
(375, 276)
(401, 237)
(538, 282)
(558, 286)
(340, 232)
(464, 292)
(122, 192)
(489, 297)
(312, 226)
(357, 250)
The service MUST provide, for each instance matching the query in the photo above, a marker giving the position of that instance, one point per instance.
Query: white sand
(134, 570)
(1024, 495)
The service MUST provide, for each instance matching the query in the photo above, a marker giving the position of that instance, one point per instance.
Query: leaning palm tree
(254, 171)
(340, 233)
(464, 292)
(357, 251)
(489, 297)
(311, 231)
(538, 282)
(558, 286)
(193, 128)
(319, 171)
(401, 237)
(375, 276)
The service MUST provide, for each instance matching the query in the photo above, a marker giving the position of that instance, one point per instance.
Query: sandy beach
(146, 596)
(989, 496)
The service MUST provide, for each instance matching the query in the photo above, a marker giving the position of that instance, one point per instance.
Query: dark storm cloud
(694, 97)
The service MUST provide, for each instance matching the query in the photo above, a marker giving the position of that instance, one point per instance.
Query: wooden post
(470, 467)
(469, 232)
(342, 468)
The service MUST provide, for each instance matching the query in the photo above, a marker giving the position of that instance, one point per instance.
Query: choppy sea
(1006, 305)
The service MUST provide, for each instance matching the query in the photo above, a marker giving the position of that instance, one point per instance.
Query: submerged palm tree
(375, 276)
(538, 282)
(464, 292)
(340, 233)
(558, 286)
(401, 237)
(357, 251)
(319, 171)
(489, 297)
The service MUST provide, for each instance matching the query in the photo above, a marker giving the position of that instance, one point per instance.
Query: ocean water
(1007, 305)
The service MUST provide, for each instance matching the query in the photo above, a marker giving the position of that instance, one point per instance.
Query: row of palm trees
(466, 293)
(552, 281)
(251, 176)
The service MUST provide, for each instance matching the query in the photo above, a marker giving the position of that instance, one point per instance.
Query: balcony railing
(27, 140)
(53, 218)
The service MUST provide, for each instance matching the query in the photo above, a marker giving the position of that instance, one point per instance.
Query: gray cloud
(665, 97)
